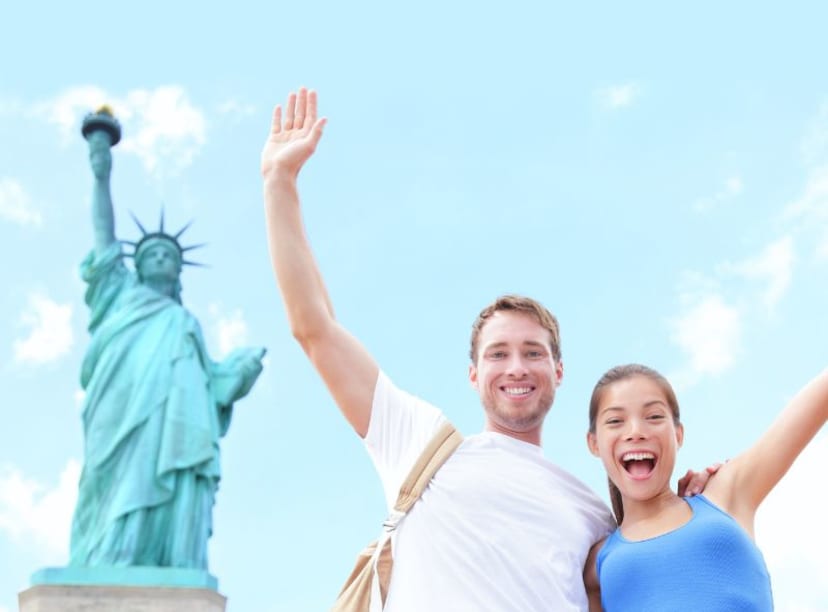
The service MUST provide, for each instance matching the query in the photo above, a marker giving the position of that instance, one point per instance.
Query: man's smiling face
(515, 374)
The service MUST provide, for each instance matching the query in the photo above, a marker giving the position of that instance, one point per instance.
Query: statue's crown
(160, 234)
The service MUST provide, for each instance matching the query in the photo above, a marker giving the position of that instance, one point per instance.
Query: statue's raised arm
(102, 131)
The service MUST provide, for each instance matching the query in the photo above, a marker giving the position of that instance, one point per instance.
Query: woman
(673, 553)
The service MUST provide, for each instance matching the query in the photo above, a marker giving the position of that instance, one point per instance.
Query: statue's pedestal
(87, 598)
(121, 589)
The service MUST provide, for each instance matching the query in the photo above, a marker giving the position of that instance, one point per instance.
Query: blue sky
(657, 176)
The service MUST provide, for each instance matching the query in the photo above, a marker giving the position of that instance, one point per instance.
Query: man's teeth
(517, 390)
(637, 456)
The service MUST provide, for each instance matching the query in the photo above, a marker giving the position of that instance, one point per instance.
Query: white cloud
(822, 247)
(51, 331)
(10, 106)
(813, 203)
(815, 142)
(708, 332)
(161, 126)
(170, 128)
(619, 96)
(230, 329)
(65, 110)
(708, 328)
(236, 107)
(733, 186)
(33, 514)
(15, 204)
(774, 266)
(811, 208)
(788, 524)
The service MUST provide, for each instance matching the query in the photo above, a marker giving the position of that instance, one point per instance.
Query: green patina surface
(156, 405)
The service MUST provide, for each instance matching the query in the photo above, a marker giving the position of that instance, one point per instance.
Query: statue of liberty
(156, 405)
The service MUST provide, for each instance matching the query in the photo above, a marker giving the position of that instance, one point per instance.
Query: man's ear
(559, 372)
(680, 434)
(592, 443)
(473, 375)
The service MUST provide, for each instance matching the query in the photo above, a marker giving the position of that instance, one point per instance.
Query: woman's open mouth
(639, 464)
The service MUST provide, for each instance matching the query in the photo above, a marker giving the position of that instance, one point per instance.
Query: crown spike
(183, 229)
(162, 235)
(138, 223)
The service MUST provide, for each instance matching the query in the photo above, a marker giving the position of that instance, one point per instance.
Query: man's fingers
(301, 108)
(683, 482)
(276, 125)
(694, 483)
(316, 130)
(290, 109)
(310, 118)
(300, 122)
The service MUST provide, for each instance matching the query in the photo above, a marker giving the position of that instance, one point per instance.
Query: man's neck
(532, 436)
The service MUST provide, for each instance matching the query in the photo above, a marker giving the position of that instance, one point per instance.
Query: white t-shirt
(499, 527)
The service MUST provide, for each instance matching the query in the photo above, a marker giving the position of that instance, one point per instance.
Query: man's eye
(656, 417)
(613, 421)
(497, 355)
(534, 354)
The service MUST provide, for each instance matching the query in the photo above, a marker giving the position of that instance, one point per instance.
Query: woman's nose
(634, 430)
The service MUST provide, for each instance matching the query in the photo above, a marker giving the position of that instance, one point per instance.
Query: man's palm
(292, 141)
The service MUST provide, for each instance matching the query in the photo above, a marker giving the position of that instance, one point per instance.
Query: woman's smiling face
(636, 436)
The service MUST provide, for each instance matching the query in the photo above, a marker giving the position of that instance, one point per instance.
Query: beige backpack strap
(367, 586)
(440, 448)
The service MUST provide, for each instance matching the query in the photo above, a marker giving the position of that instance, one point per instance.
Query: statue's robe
(154, 410)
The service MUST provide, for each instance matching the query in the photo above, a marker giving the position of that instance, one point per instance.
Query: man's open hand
(293, 138)
(693, 483)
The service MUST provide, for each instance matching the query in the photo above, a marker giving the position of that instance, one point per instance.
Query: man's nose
(517, 366)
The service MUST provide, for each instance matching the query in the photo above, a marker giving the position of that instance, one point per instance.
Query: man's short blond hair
(522, 304)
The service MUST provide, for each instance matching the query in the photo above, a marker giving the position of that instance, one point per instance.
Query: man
(499, 527)
(155, 404)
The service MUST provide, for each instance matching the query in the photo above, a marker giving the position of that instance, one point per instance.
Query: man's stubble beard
(518, 420)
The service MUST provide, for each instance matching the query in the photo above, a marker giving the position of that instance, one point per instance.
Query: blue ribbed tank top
(710, 564)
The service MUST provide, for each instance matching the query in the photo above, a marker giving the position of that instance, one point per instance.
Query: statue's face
(159, 260)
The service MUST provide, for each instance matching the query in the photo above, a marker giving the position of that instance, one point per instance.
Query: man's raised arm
(348, 370)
